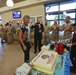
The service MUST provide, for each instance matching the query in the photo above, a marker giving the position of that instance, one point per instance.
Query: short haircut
(7, 23)
(25, 17)
(68, 17)
(17, 23)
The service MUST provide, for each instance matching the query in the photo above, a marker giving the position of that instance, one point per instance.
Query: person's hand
(73, 44)
(69, 45)
(30, 43)
(24, 47)
(66, 29)
(40, 31)
(35, 23)
(52, 27)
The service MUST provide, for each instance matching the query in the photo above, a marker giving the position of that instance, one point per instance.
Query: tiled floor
(11, 56)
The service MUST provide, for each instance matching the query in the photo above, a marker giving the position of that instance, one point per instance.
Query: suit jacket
(73, 48)
(38, 27)
(74, 38)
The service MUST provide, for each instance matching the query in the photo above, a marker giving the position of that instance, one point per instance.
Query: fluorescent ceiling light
(10, 3)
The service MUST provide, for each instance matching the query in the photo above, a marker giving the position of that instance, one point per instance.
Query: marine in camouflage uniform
(55, 31)
(46, 33)
(9, 33)
(67, 28)
(1, 33)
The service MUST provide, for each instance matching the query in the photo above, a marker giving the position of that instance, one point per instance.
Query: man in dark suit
(73, 50)
(38, 29)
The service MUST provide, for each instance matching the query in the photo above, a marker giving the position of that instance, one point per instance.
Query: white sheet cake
(45, 61)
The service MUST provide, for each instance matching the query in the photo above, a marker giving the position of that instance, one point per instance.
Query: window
(66, 9)
(51, 8)
(64, 14)
(67, 6)
(51, 16)
(59, 11)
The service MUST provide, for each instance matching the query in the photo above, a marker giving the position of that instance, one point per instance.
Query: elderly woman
(24, 37)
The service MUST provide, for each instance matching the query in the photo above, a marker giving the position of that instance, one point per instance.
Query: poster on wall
(32, 20)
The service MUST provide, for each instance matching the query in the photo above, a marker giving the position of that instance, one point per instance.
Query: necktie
(39, 26)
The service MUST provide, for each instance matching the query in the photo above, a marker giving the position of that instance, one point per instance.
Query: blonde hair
(25, 17)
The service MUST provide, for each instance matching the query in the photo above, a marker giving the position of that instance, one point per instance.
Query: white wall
(34, 10)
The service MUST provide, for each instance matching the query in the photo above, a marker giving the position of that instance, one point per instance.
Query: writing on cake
(50, 59)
